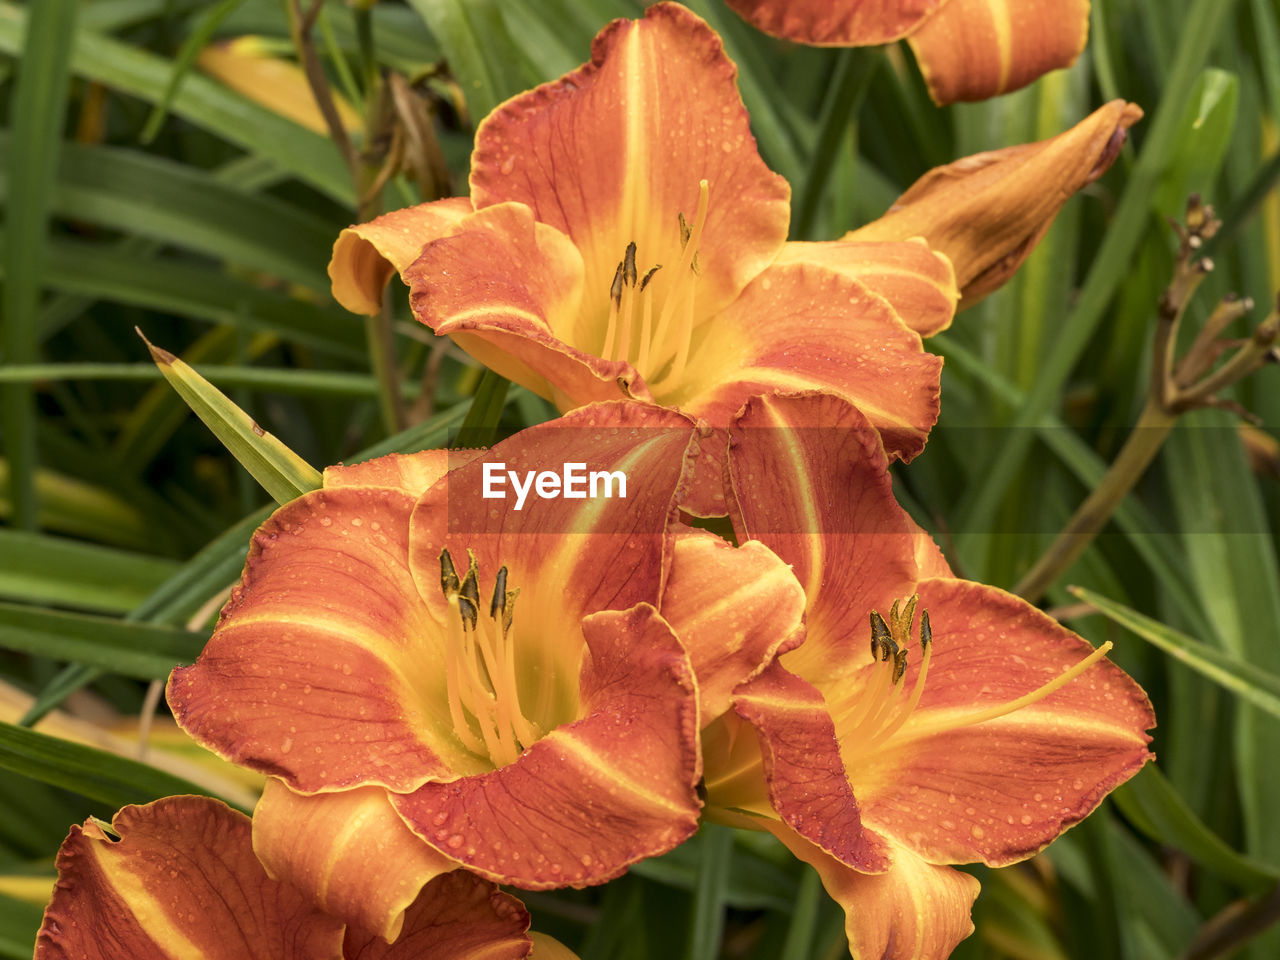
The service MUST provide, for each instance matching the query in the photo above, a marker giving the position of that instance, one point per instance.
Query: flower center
(865, 721)
(658, 349)
(484, 703)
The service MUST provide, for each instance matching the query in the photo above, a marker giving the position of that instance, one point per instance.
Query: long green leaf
(101, 776)
(1246, 680)
(479, 49)
(38, 106)
(282, 473)
(37, 568)
(147, 195)
(142, 650)
(1151, 803)
(130, 70)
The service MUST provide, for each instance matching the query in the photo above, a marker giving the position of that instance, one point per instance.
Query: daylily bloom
(623, 236)
(178, 878)
(967, 49)
(977, 729)
(988, 211)
(434, 677)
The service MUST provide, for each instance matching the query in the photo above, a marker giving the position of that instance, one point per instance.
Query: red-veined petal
(811, 481)
(181, 881)
(975, 49)
(806, 778)
(349, 851)
(458, 916)
(412, 473)
(367, 254)
(918, 282)
(999, 791)
(987, 212)
(593, 796)
(803, 327)
(613, 151)
(326, 668)
(734, 609)
(835, 23)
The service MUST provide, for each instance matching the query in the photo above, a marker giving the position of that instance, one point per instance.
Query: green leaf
(1246, 680)
(130, 70)
(150, 196)
(19, 922)
(280, 471)
(93, 773)
(481, 425)
(1205, 132)
(1150, 802)
(37, 568)
(143, 650)
(479, 49)
(709, 895)
(38, 107)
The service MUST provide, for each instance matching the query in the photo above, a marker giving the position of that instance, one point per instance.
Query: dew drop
(287, 745)
(454, 842)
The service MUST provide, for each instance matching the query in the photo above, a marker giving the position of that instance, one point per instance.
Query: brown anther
(629, 265)
(509, 609)
(899, 665)
(926, 631)
(469, 595)
(686, 231)
(880, 635)
(449, 581)
(644, 282)
(499, 602)
(615, 288)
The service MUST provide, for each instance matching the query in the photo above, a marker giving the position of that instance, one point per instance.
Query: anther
(469, 596)
(644, 282)
(926, 631)
(629, 265)
(685, 230)
(499, 602)
(880, 635)
(899, 665)
(449, 582)
(615, 289)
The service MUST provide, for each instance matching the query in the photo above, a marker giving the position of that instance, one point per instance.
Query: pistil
(484, 702)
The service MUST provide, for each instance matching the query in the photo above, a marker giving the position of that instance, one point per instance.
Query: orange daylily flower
(435, 679)
(987, 212)
(967, 49)
(623, 235)
(976, 730)
(178, 878)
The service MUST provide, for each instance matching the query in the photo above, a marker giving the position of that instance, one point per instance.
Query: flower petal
(349, 851)
(987, 212)
(508, 289)
(915, 911)
(801, 326)
(568, 557)
(181, 881)
(999, 791)
(318, 672)
(612, 152)
(734, 609)
(919, 283)
(810, 480)
(824, 23)
(367, 254)
(975, 49)
(412, 473)
(594, 796)
(458, 916)
(806, 777)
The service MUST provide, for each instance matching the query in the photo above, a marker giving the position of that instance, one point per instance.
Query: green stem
(849, 83)
(1092, 515)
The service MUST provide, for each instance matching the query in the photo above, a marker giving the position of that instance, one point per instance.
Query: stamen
(677, 296)
(628, 301)
(615, 306)
(646, 328)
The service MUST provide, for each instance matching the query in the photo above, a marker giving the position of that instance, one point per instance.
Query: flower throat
(484, 703)
(658, 351)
